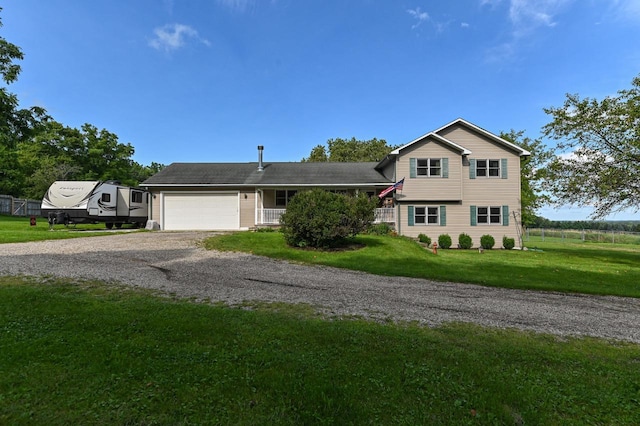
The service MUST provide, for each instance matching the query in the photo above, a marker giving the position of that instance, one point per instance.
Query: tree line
(36, 150)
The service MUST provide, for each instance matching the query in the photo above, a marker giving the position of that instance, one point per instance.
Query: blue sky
(209, 80)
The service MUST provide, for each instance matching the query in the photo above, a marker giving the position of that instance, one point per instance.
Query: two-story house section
(458, 178)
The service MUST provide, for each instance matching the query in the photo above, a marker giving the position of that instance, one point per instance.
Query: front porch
(272, 216)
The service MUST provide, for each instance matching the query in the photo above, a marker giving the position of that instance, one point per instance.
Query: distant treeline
(599, 225)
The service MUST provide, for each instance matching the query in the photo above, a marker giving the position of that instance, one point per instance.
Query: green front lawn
(16, 229)
(591, 268)
(93, 354)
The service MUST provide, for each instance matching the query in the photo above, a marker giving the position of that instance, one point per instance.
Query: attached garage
(183, 211)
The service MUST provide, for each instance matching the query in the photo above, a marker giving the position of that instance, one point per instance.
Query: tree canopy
(599, 152)
(532, 174)
(35, 150)
(350, 150)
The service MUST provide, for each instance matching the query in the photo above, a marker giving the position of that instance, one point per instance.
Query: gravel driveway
(172, 262)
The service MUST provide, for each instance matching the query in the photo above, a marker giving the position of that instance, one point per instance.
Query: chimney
(260, 166)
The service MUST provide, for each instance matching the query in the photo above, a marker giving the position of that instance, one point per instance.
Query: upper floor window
(429, 167)
(488, 168)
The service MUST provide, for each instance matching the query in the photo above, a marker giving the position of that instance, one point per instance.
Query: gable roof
(453, 145)
(274, 174)
(464, 151)
(522, 152)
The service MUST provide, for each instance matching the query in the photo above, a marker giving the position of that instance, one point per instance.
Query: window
(429, 167)
(489, 215)
(106, 198)
(426, 215)
(488, 168)
(136, 197)
(283, 197)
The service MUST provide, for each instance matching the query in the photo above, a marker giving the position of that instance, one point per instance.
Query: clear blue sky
(209, 80)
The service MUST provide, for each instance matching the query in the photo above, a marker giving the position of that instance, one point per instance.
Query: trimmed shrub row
(487, 242)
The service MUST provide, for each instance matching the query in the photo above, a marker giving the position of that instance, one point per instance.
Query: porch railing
(385, 215)
(272, 216)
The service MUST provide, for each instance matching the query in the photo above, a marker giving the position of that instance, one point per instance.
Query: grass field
(93, 354)
(15, 229)
(606, 269)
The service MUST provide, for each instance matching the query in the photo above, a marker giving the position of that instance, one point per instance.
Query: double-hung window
(489, 215)
(426, 215)
(488, 168)
(429, 167)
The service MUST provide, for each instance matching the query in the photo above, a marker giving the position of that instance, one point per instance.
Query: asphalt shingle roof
(247, 174)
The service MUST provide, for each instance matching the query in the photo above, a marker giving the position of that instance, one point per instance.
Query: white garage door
(201, 211)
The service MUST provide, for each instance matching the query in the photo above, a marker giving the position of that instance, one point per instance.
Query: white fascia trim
(523, 152)
(463, 150)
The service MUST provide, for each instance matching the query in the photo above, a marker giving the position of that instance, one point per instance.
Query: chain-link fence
(575, 235)
(19, 206)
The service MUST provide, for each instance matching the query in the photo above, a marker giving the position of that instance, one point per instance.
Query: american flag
(397, 185)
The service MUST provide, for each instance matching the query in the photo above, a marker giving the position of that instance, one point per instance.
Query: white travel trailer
(95, 201)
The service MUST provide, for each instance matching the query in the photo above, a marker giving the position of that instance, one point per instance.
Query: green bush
(380, 229)
(508, 243)
(265, 229)
(424, 239)
(487, 242)
(465, 241)
(322, 219)
(444, 241)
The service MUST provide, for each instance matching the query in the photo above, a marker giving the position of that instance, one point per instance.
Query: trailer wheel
(109, 225)
(118, 225)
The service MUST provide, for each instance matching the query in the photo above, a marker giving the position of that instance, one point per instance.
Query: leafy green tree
(59, 152)
(351, 150)
(15, 124)
(599, 144)
(532, 174)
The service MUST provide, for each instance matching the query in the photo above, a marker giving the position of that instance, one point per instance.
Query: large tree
(16, 124)
(532, 174)
(599, 143)
(59, 152)
(350, 150)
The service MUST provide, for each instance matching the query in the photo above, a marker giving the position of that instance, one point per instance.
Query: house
(458, 178)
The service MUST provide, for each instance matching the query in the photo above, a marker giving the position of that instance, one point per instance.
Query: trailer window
(136, 197)
(106, 197)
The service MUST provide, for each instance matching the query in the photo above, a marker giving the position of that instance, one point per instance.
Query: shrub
(465, 241)
(323, 219)
(265, 229)
(424, 239)
(508, 243)
(444, 241)
(487, 242)
(380, 229)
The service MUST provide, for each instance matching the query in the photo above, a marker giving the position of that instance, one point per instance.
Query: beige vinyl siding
(458, 221)
(482, 191)
(430, 188)
(155, 206)
(247, 208)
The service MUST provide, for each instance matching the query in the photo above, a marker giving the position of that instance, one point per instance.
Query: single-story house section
(458, 178)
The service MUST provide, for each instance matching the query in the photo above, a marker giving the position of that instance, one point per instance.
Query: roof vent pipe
(260, 166)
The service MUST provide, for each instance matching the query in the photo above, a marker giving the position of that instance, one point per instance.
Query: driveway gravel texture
(175, 263)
